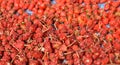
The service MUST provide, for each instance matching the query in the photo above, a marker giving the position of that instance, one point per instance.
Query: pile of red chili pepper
(63, 32)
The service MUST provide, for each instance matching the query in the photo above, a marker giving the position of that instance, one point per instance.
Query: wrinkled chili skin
(59, 32)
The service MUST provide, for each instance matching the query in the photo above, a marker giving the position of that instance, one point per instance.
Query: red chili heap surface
(68, 32)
